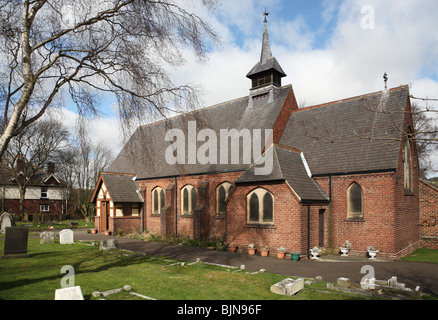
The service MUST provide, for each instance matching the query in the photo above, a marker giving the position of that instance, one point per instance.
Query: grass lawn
(423, 255)
(37, 277)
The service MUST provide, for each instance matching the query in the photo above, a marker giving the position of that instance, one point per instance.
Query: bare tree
(30, 151)
(80, 166)
(80, 47)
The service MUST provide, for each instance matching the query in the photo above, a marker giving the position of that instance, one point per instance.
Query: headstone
(343, 282)
(66, 236)
(288, 286)
(71, 293)
(16, 242)
(109, 244)
(47, 237)
(294, 287)
(6, 221)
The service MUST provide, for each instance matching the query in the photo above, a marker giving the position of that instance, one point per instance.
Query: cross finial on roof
(385, 78)
(266, 14)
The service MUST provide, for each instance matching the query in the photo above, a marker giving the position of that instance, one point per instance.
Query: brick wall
(377, 226)
(204, 223)
(429, 215)
(289, 229)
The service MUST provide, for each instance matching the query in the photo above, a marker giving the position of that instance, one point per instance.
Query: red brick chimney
(50, 168)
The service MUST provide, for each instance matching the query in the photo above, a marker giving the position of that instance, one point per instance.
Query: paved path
(331, 268)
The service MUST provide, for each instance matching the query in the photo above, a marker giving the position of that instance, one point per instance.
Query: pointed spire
(268, 65)
(266, 48)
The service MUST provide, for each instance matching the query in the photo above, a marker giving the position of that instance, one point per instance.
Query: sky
(329, 49)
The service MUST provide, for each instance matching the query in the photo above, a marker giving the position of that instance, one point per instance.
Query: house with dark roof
(260, 170)
(45, 192)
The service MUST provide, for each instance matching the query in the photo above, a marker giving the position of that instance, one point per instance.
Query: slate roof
(122, 188)
(39, 179)
(360, 134)
(145, 153)
(267, 61)
(288, 165)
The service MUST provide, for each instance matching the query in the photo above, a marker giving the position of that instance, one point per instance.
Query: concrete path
(330, 268)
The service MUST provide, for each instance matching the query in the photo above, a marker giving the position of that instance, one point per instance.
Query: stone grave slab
(288, 286)
(16, 242)
(6, 221)
(71, 293)
(66, 236)
(47, 237)
(108, 244)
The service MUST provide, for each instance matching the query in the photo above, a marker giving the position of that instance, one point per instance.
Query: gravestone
(6, 221)
(108, 244)
(288, 286)
(47, 237)
(71, 293)
(16, 242)
(66, 236)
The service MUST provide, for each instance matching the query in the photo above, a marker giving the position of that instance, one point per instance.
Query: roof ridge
(326, 104)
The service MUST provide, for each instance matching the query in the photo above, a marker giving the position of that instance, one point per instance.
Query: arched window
(260, 204)
(355, 201)
(157, 200)
(222, 193)
(408, 167)
(188, 199)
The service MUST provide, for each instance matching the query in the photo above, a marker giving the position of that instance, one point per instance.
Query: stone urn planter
(345, 249)
(315, 252)
(372, 252)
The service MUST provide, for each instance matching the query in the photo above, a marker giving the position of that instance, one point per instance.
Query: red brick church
(341, 171)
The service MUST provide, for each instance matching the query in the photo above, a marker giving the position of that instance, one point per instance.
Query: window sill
(260, 226)
(155, 214)
(355, 220)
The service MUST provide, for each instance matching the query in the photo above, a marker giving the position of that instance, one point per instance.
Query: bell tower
(267, 72)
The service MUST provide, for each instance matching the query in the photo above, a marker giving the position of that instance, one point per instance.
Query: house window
(44, 207)
(408, 167)
(157, 200)
(188, 199)
(260, 206)
(222, 193)
(355, 201)
(44, 193)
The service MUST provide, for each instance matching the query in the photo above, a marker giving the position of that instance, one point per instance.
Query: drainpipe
(176, 206)
(308, 230)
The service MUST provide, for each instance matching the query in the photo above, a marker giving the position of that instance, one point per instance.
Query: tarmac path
(413, 274)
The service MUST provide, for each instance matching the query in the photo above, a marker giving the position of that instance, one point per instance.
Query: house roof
(359, 134)
(145, 153)
(121, 187)
(287, 165)
(39, 179)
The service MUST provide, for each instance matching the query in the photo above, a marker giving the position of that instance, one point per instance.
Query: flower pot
(232, 248)
(280, 255)
(251, 251)
(295, 256)
(264, 253)
(107, 233)
(94, 231)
